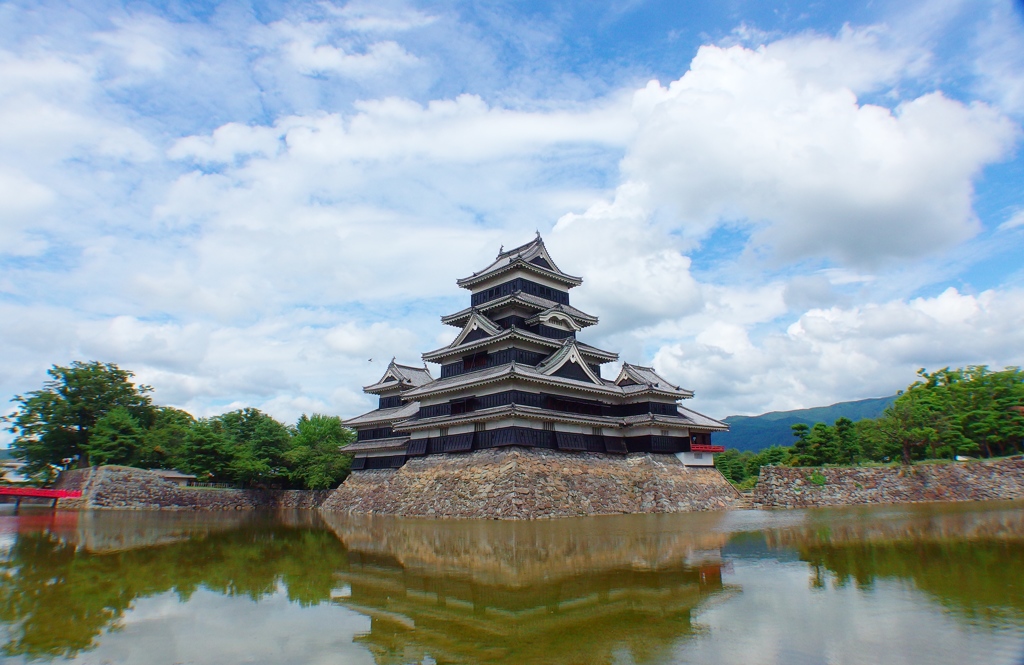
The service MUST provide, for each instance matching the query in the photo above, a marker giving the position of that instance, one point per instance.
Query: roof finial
(538, 234)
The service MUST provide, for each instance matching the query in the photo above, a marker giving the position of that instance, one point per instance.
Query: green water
(922, 584)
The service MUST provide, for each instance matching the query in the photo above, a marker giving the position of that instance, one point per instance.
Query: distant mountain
(774, 429)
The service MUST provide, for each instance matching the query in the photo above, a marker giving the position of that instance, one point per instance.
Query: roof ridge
(519, 250)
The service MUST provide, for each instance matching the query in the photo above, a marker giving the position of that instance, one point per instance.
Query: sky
(777, 205)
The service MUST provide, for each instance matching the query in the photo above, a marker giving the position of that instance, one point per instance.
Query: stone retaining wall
(126, 488)
(789, 487)
(516, 483)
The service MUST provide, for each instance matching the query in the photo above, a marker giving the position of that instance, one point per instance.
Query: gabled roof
(400, 376)
(476, 321)
(569, 353)
(639, 379)
(532, 256)
(388, 415)
(503, 372)
(378, 445)
(519, 298)
(557, 311)
(701, 421)
(516, 333)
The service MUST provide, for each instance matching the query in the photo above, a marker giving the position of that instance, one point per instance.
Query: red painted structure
(40, 493)
(20, 493)
(706, 448)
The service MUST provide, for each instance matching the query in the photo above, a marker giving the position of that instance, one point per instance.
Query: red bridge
(20, 493)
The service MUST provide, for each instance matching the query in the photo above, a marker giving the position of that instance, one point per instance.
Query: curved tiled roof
(513, 332)
(384, 415)
(532, 256)
(518, 297)
(400, 376)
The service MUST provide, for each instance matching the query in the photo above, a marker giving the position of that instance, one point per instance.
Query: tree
(53, 425)
(730, 464)
(207, 451)
(116, 439)
(850, 449)
(259, 445)
(316, 455)
(163, 443)
(803, 455)
(911, 423)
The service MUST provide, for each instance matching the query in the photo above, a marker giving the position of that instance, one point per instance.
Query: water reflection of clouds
(911, 584)
(214, 629)
(779, 620)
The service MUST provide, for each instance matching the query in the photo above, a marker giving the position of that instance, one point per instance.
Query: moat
(933, 583)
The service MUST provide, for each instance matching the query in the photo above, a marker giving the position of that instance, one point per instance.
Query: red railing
(39, 493)
(706, 448)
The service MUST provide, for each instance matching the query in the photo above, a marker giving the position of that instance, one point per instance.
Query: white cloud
(227, 143)
(308, 46)
(999, 56)
(833, 354)
(777, 137)
(1016, 220)
(139, 42)
(634, 277)
(374, 17)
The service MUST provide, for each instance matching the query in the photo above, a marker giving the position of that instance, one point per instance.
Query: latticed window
(479, 427)
(549, 426)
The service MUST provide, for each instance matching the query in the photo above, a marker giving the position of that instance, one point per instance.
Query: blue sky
(777, 205)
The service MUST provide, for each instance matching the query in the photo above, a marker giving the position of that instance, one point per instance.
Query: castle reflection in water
(528, 592)
(596, 590)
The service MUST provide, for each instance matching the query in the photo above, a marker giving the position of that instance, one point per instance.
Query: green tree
(53, 425)
(911, 423)
(316, 455)
(803, 455)
(163, 443)
(850, 449)
(773, 456)
(823, 443)
(207, 451)
(259, 445)
(116, 439)
(730, 464)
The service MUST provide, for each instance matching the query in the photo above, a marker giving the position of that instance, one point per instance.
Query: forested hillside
(950, 413)
(756, 433)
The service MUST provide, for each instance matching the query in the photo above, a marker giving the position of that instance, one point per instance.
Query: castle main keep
(517, 379)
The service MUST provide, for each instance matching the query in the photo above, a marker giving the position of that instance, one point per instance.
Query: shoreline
(512, 485)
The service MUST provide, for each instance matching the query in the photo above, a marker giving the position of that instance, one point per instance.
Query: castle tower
(516, 375)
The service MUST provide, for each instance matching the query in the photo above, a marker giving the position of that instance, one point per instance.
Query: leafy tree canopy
(316, 455)
(53, 425)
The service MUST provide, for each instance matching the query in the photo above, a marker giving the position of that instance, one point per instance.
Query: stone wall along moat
(126, 488)
(515, 483)
(804, 487)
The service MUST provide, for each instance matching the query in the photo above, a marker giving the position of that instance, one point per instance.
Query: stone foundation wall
(789, 487)
(516, 483)
(126, 488)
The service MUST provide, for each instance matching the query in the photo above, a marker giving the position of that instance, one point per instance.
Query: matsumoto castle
(517, 376)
